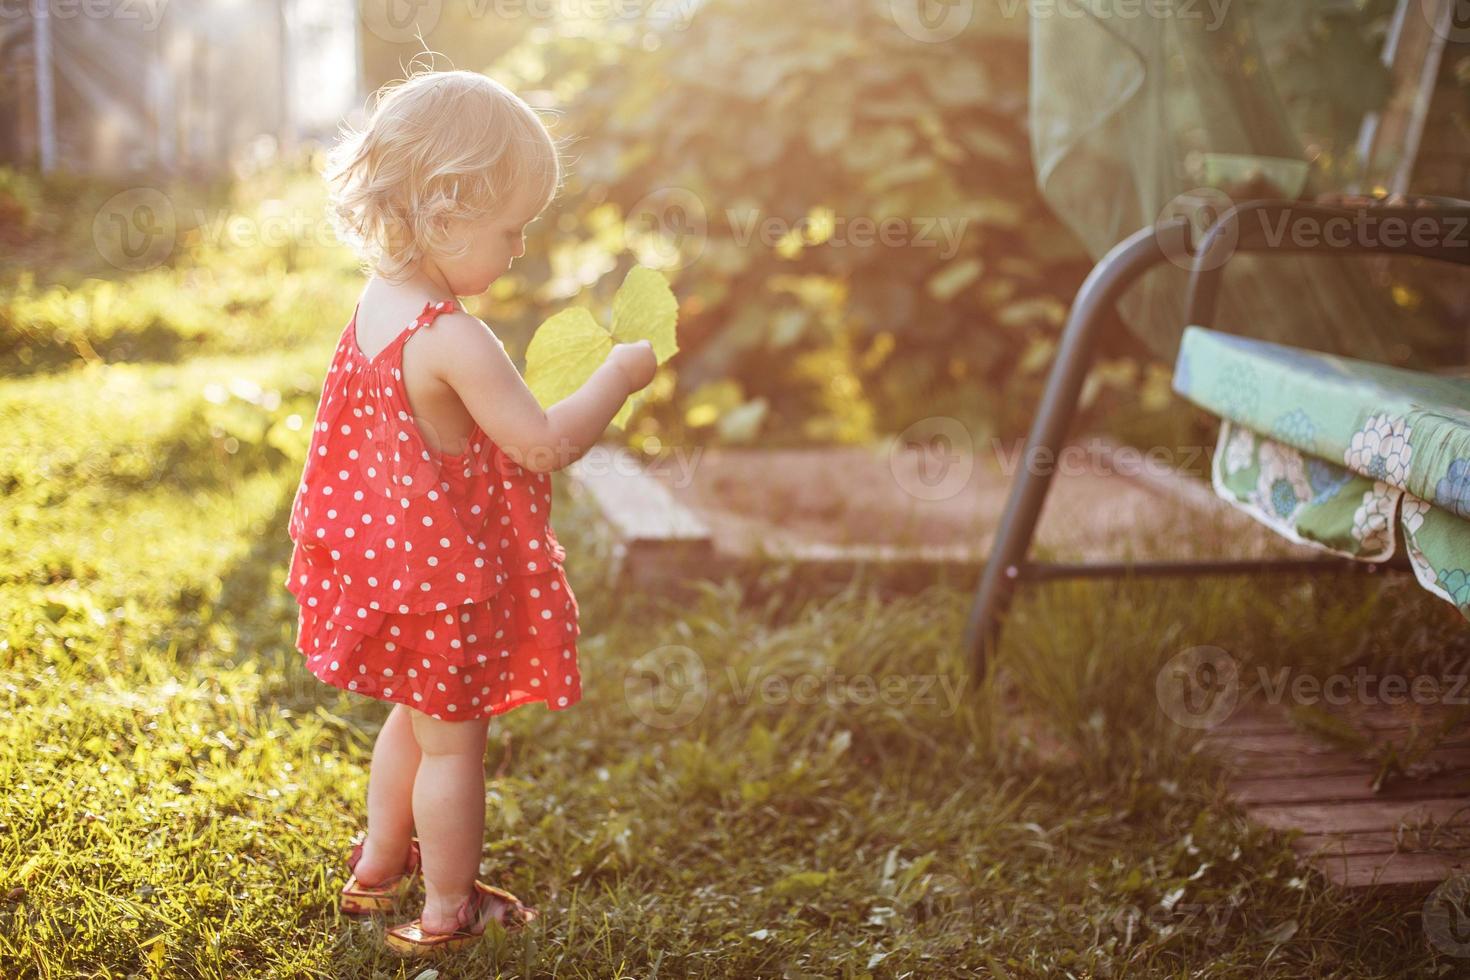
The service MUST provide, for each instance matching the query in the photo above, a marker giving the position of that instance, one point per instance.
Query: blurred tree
(848, 211)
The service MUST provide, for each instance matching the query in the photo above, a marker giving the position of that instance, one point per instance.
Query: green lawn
(179, 791)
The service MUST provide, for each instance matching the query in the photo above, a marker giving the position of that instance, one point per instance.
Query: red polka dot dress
(425, 578)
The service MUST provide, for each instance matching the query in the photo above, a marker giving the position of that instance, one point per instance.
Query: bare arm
(475, 364)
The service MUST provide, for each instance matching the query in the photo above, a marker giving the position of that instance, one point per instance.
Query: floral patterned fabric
(1346, 455)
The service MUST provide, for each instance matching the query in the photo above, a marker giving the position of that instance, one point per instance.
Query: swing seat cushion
(1340, 453)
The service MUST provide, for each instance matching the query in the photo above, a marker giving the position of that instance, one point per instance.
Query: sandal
(486, 902)
(360, 899)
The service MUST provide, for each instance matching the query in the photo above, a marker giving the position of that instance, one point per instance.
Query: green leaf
(645, 309)
(570, 346)
(802, 883)
(564, 353)
(945, 284)
(741, 424)
(1283, 932)
(629, 407)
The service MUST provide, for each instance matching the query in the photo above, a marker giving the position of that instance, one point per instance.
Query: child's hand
(637, 362)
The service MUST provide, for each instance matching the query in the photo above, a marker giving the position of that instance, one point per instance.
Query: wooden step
(1409, 837)
(704, 512)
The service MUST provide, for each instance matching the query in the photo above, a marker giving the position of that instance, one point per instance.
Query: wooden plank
(1274, 744)
(1347, 817)
(958, 558)
(1361, 842)
(1255, 766)
(1256, 723)
(1269, 746)
(1409, 871)
(637, 506)
(1346, 787)
(1255, 718)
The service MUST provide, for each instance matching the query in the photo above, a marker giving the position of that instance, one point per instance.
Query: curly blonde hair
(438, 145)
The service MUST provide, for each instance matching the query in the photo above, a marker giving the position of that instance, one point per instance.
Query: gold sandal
(360, 899)
(484, 903)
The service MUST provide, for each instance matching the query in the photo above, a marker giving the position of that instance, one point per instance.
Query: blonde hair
(438, 145)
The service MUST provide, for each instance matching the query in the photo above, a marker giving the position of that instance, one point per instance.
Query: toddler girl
(424, 561)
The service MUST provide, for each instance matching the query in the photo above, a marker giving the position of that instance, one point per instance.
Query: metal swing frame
(1440, 231)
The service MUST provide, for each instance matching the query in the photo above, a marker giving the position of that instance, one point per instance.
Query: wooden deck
(1411, 836)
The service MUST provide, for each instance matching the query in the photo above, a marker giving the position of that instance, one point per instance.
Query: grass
(733, 797)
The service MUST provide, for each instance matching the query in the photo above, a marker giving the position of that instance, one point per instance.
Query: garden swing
(1321, 438)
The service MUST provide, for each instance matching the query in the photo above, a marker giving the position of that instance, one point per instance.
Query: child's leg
(449, 811)
(390, 799)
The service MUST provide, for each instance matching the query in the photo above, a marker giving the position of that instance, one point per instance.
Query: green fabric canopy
(1131, 104)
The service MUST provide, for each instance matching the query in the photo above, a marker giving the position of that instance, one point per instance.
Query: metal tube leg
(1118, 269)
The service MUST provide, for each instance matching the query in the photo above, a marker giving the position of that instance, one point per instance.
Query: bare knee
(435, 736)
